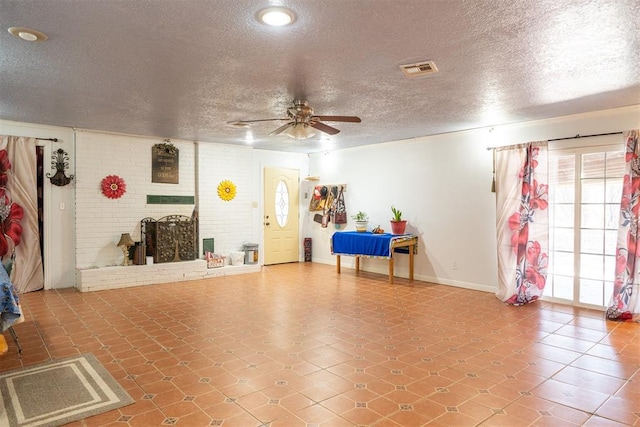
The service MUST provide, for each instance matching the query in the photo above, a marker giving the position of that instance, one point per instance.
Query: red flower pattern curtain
(19, 211)
(522, 221)
(625, 302)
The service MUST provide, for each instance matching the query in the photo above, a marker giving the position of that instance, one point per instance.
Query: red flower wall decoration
(113, 186)
(10, 213)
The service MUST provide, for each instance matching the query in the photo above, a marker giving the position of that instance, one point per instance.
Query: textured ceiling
(183, 68)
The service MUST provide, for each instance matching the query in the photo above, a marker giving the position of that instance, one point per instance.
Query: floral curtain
(19, 211)
(522, 221)
(625, 301)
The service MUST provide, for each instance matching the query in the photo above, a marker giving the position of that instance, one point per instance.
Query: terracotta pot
(398, 227)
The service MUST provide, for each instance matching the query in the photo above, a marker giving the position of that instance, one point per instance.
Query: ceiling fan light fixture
(27, 34)
(300, 131)
(276, 16)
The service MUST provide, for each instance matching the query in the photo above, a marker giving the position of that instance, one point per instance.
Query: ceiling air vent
(419, 69)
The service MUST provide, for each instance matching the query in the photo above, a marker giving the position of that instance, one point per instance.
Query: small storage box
(214, 260)
(237, 258)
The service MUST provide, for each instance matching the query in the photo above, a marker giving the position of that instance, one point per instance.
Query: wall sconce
(60, 162)
(124, 243)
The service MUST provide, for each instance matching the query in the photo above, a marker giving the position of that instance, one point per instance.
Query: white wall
(230, 223)
(99, 220)
(442, 184)
(59, 239)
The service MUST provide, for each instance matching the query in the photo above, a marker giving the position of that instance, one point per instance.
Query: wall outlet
(454, 265)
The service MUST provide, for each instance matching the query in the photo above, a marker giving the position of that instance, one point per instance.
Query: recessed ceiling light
(276, 16)
(28, 34)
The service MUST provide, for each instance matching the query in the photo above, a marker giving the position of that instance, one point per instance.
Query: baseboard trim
(419, 277)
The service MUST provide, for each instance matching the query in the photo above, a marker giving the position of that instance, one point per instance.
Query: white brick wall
(229, 223)
(99, 220)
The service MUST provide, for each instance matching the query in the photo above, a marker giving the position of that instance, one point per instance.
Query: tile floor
(299, 345)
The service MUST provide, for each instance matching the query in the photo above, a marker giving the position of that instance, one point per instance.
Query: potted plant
(398, 225)
(362, 220)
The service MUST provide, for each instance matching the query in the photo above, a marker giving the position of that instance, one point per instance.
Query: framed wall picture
(165, 163)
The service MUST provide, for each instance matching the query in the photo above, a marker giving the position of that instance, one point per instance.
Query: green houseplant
(398, 225)
(362, 220)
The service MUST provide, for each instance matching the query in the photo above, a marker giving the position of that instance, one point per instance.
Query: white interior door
(281, 199)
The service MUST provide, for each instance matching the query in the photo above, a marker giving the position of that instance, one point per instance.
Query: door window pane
(592, 266)
(591, 291)
(613, 192)
(592, 216)
(561, 179)
(563, 287)
(562, 215)
(593, 165)
(563, 263)
(615, 164)
(282, 203)
(610, 241)
(608, 293)
(591, 241)
(612, 216)
(609, 267)
(593, 191)
(562, 239)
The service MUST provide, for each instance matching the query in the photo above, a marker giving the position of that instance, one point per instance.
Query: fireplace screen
(169, 239)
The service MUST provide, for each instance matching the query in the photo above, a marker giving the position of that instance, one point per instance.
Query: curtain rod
(585, 136)
(575, 137)
(48, 139)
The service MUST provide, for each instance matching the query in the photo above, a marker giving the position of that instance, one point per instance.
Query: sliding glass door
(585, 186)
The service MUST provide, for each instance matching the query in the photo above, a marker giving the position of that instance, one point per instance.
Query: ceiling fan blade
(324, 128)
(350, 119)
(282, 129)
(247, 122)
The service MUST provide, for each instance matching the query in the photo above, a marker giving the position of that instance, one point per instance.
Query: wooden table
(370, 245)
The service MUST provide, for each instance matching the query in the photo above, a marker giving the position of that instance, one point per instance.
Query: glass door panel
(584, 195)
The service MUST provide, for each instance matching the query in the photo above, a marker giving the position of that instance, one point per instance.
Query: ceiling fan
(302, 121)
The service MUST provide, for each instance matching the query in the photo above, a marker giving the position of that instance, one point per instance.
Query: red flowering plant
(10, 213)
(113, 186)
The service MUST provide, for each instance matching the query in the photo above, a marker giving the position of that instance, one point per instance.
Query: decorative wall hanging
(226, 190)
(165, 163)
(113, 186)
(60, 162)
(323, 197)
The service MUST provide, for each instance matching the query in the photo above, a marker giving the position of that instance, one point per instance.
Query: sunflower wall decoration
(226, 190)
(113, 186)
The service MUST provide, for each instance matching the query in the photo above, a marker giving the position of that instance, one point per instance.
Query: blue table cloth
(355, 243)
(9, 309)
